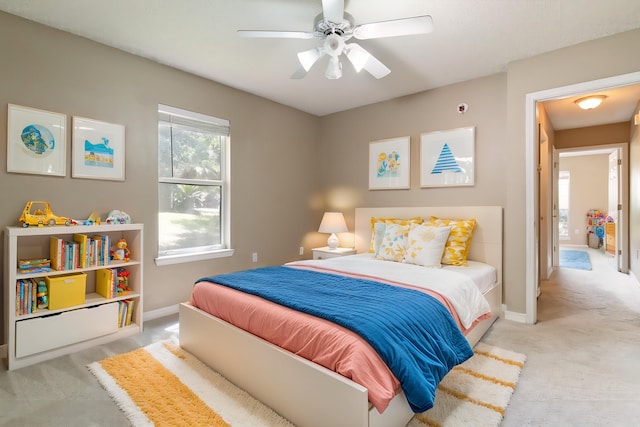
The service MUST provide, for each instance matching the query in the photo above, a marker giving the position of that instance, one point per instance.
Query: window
(193, 188)
(563, 205)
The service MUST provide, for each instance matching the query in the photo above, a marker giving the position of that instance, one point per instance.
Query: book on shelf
(82, 252)
(129, 312)
(27, 270)
(26, 296)
(125, 312)
(40, 265)
(56, 253)
(106, 282)
(83, 249)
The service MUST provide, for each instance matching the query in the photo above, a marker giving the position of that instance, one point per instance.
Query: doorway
(589, 183)
(531, 179)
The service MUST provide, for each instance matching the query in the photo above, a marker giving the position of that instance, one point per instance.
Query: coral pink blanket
(321, 341)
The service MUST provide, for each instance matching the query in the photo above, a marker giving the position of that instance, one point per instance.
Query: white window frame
(224, 250)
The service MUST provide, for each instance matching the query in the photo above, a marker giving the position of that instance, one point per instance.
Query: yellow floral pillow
(459, 241)
(425, 245)
(378, 232)
(393, 243)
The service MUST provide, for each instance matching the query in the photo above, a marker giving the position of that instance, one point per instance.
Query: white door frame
(531, 182)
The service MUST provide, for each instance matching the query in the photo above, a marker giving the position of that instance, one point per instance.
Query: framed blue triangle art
(447, 158)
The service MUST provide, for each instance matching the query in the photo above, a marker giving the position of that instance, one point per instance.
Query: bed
(304, 392)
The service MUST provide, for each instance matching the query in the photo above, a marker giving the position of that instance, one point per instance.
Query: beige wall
(276, 201)
(346, 137)
(274, 149)
(616, 133)
(606, 57)
(588, 189)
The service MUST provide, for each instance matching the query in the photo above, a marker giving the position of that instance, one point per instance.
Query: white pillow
(393, 243)
(425, 245)
(378, 230)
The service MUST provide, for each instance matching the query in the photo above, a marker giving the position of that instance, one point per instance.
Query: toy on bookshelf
(118, 217)
(39, 213)
(123, 282)
(42, 295)
(120, 252)
(93, 219)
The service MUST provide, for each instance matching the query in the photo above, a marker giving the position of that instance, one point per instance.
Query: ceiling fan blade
(361, 59)
(333, 10)
(276, 34)
(397, 27)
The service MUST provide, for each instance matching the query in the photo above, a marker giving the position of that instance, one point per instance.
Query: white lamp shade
(333, 222)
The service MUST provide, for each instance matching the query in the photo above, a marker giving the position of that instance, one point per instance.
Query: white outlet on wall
(577, 231)
(254, 257)
(301, 250)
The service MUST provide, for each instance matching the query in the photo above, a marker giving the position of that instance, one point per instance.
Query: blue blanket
(413, 332)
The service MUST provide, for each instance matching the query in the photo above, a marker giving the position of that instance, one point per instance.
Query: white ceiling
(471, 39)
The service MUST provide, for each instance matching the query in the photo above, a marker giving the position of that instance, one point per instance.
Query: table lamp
(333, 222)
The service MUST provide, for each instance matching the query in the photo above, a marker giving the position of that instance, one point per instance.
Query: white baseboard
(515, 317)
(634, 277)
(160, 312)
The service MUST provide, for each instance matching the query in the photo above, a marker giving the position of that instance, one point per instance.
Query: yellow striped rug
(475, 393)
(163, 385)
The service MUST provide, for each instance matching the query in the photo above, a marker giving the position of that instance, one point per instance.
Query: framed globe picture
(36, 141)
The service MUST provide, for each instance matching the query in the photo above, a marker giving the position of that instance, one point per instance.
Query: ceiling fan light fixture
(333, 45)
(309, 57)
(590, 102)
(334, 69)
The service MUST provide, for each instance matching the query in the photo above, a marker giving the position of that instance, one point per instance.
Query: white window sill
(202, 256)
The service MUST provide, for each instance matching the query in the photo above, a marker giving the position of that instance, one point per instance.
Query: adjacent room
(320, 212)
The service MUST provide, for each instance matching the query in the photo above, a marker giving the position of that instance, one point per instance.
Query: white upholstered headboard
(486, 243)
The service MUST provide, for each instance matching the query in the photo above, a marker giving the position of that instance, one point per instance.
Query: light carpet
(579, 260)
(163, 385)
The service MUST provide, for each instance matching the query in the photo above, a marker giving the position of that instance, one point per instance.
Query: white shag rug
(475, 393)
(161, 384)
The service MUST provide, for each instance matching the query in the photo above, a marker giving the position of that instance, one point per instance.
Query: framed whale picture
(98, 150)
(36, 141)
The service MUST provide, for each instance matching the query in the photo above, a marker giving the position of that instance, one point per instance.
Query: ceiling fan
(336, 27)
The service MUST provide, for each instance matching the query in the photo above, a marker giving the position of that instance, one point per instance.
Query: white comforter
(457, 288)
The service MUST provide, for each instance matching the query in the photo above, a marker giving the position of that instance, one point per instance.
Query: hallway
(582, 355)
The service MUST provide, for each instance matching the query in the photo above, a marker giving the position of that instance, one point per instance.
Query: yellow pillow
(459, 241)
(376, 237)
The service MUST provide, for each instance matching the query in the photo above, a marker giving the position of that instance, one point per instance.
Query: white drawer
(46, 333)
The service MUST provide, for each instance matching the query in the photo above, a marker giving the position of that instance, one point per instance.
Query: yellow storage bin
(66, 290)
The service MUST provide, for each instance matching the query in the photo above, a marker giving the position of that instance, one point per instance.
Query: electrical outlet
(301, 250)
(254, 257)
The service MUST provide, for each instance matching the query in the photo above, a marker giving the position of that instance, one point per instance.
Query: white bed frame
(308, 394)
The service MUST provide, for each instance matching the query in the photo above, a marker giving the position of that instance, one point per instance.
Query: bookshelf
(46, 334)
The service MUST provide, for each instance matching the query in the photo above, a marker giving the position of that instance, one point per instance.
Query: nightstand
(325, 252)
